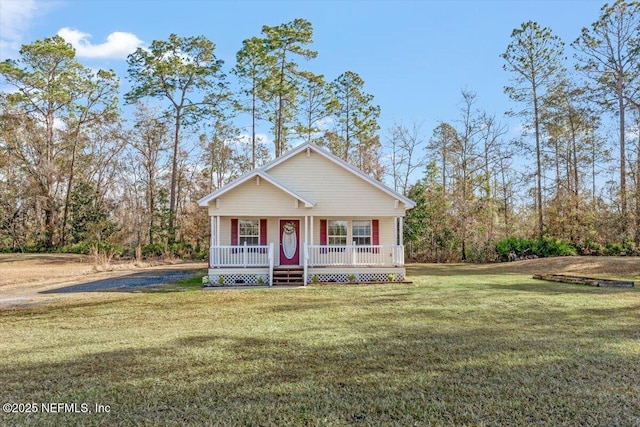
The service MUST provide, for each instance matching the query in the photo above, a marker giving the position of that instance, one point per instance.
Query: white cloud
(117, 46)
(183, 57)
(326, 123)
(517, 130)
(261, 138)
(15, 19)
(59, 124)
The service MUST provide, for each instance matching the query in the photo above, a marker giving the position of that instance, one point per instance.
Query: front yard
(460, 346)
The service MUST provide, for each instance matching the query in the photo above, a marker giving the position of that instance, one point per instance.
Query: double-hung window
(337, 233)
(361, 232)
(249, 232)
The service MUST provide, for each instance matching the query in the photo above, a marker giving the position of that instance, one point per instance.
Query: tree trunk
(174, 177)
(253, 125)
(151, 206)
(67, 198)
(636, 236)
(488, 196)
(538, 164)
(444, 170)
(623, 172)
(347, 136)
(280, 113)
(49, 210)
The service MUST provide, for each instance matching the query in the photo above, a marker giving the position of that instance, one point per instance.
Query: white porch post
(271, 256)
(311, 239)
(213, 230)
(212, 242)
(218, 230)
(245, 255)
(401, 231)
(305, 249)
(395, 230)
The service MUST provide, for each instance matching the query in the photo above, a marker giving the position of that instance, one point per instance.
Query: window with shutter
(249, 232)
(323, 231)
(337, 232)
(361, 232)
(234, 231)
(263, 232)
(375, 233)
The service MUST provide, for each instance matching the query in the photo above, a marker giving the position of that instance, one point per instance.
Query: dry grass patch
(23, 277)
(21, 269)
(452, 349)
(612, 267)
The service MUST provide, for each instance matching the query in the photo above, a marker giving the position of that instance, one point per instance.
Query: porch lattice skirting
(361, 277)
(239, 279)
(255, 279)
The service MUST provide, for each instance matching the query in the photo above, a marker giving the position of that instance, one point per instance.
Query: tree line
(572, 179)
(76, 172)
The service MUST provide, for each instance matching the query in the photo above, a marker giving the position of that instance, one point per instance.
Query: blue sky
(414, 56)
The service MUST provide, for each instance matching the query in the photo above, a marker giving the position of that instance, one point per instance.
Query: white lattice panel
(362, 277)
(238, 279)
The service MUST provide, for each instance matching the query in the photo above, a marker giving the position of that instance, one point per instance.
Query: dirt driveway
(33, 279)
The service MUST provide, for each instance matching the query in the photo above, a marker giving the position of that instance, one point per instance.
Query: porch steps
(291, 276)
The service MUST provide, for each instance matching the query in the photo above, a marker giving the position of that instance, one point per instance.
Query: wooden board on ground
(581, 280)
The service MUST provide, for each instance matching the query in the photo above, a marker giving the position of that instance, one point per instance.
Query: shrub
(78, 248)
(89, 247)
(590, 248)
(620, 249)
(518, 248)
(103, 253)
(153, 250)
(512, 245)
(552, 248)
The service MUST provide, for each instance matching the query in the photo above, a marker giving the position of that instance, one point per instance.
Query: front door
(289, 242)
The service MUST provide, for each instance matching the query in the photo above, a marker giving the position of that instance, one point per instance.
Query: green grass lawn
(450, 349)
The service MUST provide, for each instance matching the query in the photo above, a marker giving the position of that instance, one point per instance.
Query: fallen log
(581, 280)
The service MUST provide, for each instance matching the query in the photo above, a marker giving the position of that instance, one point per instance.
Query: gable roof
(315, 148)
(246, 177)
(262, 172)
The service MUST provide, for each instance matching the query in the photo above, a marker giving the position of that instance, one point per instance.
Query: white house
(306, 216)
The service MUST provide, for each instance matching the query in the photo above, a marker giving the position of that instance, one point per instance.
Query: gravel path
(126, 283)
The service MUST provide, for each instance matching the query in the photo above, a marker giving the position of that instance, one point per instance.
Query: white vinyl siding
(336, 191)
(250, 198)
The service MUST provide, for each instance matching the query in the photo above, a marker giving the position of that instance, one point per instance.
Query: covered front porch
(255, 264)
(298, 247)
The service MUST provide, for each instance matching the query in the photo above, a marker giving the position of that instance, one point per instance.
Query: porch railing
(360, 255)
(241, 256)
(314, 256)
